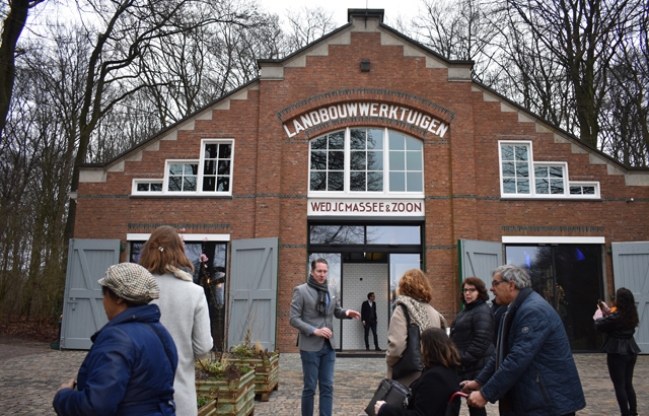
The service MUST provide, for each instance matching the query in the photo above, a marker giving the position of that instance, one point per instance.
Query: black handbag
(410, 361)
(391, 392)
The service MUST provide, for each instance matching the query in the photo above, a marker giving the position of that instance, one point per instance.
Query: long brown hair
(478, 284)
(164, 248)
(626, 309)
(415, 285)
(437, 348)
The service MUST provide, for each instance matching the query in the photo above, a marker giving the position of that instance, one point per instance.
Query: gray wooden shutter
(479, 259)
(83, 310)
(631, 270)
(253, 292)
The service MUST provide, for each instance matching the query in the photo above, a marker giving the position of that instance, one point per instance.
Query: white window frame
(199, 174)
(532, 176)
(347, 193)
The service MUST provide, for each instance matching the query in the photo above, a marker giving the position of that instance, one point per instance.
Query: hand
(69, 385)
(476, 399)
(363, 323)
(377, 406)
(470, 385)
(323, 332)
(353, 314)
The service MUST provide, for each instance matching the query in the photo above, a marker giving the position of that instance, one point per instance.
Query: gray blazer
(304, 316)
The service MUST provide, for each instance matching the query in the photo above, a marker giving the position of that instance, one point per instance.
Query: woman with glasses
(472, 332)
(620, 347)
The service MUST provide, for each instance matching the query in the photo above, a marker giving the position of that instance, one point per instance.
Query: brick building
(375, 152)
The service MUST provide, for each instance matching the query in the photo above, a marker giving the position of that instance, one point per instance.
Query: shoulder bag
(390, 391)
(410, 361)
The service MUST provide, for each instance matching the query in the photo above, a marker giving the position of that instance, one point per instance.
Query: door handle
(73, 303)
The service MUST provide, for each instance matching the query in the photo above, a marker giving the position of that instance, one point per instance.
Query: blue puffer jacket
(127, 371)
(539, 368)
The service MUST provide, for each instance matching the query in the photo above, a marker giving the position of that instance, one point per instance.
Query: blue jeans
(318, 367)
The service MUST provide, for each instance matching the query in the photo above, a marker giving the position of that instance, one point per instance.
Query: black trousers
(620, 368)
(370, 325)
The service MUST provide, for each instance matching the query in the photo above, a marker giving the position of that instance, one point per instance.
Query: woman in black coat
(432, 390)
(472, 332)
(622, 350)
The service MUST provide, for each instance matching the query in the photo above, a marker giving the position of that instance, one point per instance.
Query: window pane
(336, 160)
(191, 169)
(522, 169)
(357, 139)
(225, 150)
(175, 169)
(189, 184)
(521, 152)
(413, 144)
(556, 172)
(318, 181)
(143, 187)
(397, 141)
(415, 182)
(589, 190)
(358, 160)
(336, 181)
(509, 186)
(508, 169)
(209, 183)
(210, 151)
(381, 234)
(397, 161)
(413, 160)
(156, 187)
(523, 186)
(209, 167)
(357, 182)
(397, 182)
(556, 186)
(336, 234)
(375, 160)
(318, 160)
(507, 152)
(337, 140)
(224, 167)
(375, 181)
(375, 139)
(320, 143)
(223, 184)
(541, 172)
(542, 186)
(575, 190)
(174, 183)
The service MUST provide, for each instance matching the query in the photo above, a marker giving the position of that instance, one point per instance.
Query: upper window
(211, 174)
(521, 176)
(355, 160)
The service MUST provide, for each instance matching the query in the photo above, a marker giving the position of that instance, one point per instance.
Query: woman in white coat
(414, 293)
(183, 308)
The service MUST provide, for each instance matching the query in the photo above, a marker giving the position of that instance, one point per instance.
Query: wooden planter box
(266, 373)
(208, 410)
(233, 398)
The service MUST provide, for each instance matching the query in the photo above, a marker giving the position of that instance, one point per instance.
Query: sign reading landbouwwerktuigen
(365, 109)
(366, 207)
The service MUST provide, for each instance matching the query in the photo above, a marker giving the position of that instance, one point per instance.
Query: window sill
(553, 199)
(189, 196)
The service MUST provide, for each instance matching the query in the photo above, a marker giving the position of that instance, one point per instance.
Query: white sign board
(366, 207)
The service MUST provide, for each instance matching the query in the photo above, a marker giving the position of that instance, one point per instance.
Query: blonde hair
(414, 284)
(164, 248)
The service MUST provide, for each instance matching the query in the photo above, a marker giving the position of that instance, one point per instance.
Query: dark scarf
(323, 291)
(502, 347)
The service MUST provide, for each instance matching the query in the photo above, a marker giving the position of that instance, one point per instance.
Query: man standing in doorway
(368, 316)
(532, 372)
(313, 307)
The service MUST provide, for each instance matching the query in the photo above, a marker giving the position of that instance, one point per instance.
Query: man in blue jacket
(532, 372)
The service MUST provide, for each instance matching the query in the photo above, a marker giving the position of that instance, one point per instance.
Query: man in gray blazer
(313, 307)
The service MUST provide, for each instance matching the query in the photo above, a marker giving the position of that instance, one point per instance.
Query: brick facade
(461, 169)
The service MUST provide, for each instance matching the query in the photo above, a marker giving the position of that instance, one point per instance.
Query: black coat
(430, 394)
(619, 338)
(368, 314)
(472, 333)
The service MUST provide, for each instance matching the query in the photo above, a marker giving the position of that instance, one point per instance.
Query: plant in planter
(265, 364)
(231, 386)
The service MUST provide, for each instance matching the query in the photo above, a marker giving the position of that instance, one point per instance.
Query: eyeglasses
(495, 283)
(469, 290)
